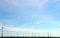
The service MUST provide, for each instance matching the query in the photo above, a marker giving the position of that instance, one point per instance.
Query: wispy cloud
(27, 30)
(23, 3)
(24, 29)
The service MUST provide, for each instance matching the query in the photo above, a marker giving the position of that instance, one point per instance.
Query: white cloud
(35, 31)
(23, 29)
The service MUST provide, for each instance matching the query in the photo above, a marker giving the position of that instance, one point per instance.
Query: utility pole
(32, 34)
(2, 31)
(17, 34)
(48, 34)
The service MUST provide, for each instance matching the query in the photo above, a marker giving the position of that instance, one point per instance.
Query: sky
(27, 16)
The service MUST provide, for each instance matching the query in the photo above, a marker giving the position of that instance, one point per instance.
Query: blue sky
(30, 14)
